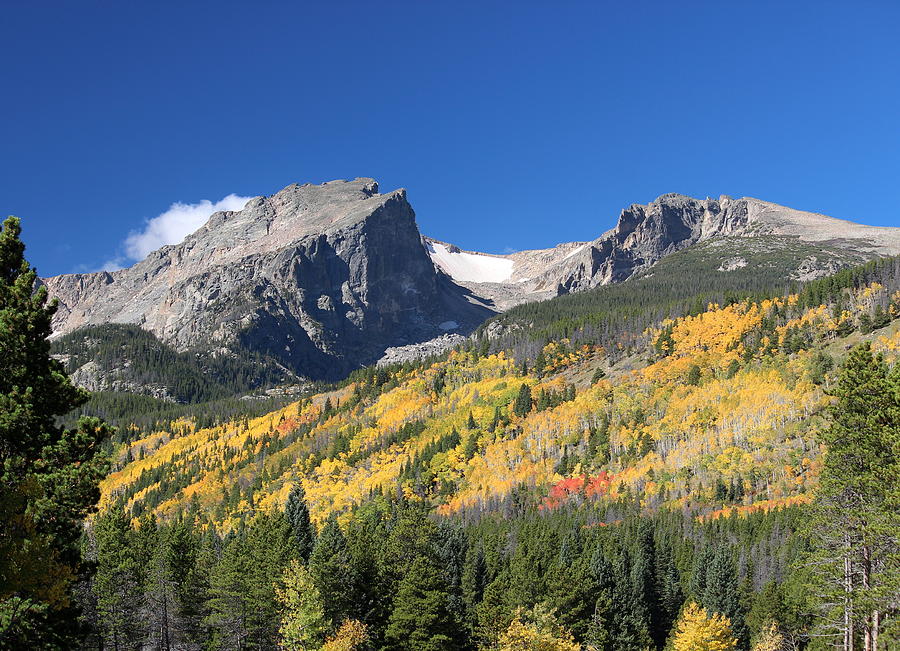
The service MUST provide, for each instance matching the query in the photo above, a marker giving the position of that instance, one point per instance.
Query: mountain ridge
(322, 279)
(645, 233)
(300, 276)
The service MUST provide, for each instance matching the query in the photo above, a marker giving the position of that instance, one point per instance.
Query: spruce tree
(49, 475)
(522, 404)
(190, 584)
(229, 603)
(421, 620)
(643, 579)
(855, 523)
(270, 549)
(723, 593)
(474, 582)
(297, 514)
(630, 623)
(333, 571)
(600, 630)
(117, 583)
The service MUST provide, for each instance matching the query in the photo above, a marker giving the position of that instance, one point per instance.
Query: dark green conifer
(297, 513)
(49, 475)
(421, 620)
(333, 571)
(522, 404)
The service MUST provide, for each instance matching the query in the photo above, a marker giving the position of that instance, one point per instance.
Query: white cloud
(171, 227)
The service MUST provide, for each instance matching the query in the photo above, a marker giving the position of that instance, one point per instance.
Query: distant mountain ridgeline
(317, 281)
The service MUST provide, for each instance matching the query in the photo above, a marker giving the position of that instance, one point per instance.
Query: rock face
(320, 278)
(644, 234)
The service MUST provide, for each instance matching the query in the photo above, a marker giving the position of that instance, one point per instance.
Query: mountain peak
(321, 278)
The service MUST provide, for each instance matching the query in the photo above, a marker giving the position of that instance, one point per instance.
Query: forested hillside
(585, 492)
(719, 271)
(121, 358)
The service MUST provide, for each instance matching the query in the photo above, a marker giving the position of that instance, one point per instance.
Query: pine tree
(48, 474)
(333, 571)
(421, 620)
(855, 520)
(297, 514)
(522, 404)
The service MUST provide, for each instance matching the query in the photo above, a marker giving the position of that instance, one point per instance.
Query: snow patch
(470, 267)
(576, 251)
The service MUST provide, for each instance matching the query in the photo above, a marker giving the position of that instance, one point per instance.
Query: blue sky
(512, 125)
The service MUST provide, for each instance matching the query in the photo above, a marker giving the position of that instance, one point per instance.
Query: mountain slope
(321, 279)
(717, 408)
(645, 234)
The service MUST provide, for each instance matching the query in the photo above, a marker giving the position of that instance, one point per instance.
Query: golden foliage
(351, 636)
(697, 631)
(535, 631)
(667, 440)
(769, 639)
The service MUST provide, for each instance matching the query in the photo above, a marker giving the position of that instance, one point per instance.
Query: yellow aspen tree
(770, 639)
(352, 635)
(696, 630)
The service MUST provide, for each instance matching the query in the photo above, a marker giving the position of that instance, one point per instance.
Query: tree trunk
(876, 624)
(165, 621)
(871, 636)
(848, 597)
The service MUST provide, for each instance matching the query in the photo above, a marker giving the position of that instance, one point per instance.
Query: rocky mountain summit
(644, 234)
(320, 278)
(317, 280)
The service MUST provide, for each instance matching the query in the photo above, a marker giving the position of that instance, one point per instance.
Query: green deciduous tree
(303, 625)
